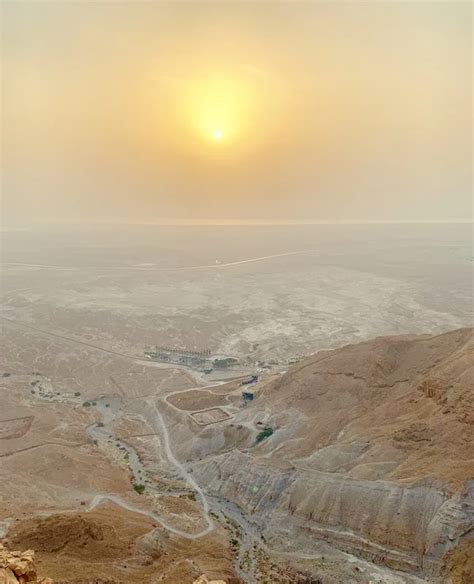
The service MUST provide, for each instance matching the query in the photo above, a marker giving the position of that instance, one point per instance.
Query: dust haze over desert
(237, 290)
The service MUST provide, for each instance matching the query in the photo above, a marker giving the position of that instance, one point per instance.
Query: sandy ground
(85, 417)
(276, 296)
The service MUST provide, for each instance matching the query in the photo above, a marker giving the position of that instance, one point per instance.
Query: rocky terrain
(371, 452)
(19, 568)
(353, 466)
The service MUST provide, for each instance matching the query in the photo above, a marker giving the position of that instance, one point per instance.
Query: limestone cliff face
(407, 527)
(371, 452)
(19, 568)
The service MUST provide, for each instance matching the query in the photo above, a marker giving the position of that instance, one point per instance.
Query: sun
(218, 111)
(217, 134)
(216, 106)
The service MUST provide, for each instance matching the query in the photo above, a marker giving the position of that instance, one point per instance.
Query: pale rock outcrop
(19, 568)
(203, 580)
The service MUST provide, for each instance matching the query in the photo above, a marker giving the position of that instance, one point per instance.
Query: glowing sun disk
(219, 109)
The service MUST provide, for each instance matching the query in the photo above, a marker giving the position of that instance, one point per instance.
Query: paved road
(77, 342)
(195, 375)
(158, 269)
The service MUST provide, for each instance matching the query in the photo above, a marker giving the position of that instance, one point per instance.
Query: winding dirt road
(116, 500)
(184, 473)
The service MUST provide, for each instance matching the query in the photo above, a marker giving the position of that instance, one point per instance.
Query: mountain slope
(371, 452)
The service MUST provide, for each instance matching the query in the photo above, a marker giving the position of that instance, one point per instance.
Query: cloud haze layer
(329, 111)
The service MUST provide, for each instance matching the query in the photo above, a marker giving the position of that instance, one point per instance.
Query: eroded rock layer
(371, 451)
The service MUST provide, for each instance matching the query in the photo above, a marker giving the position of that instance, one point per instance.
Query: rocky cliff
(371, 452)
(19, 568)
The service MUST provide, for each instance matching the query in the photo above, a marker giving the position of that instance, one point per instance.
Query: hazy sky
(295, 110)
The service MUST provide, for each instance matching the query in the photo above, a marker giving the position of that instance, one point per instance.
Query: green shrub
(86, 404)
(139, 488)
(265, 433)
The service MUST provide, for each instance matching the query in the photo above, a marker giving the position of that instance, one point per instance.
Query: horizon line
(176, 222)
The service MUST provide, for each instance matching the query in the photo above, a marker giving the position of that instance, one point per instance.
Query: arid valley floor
(352, 462)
